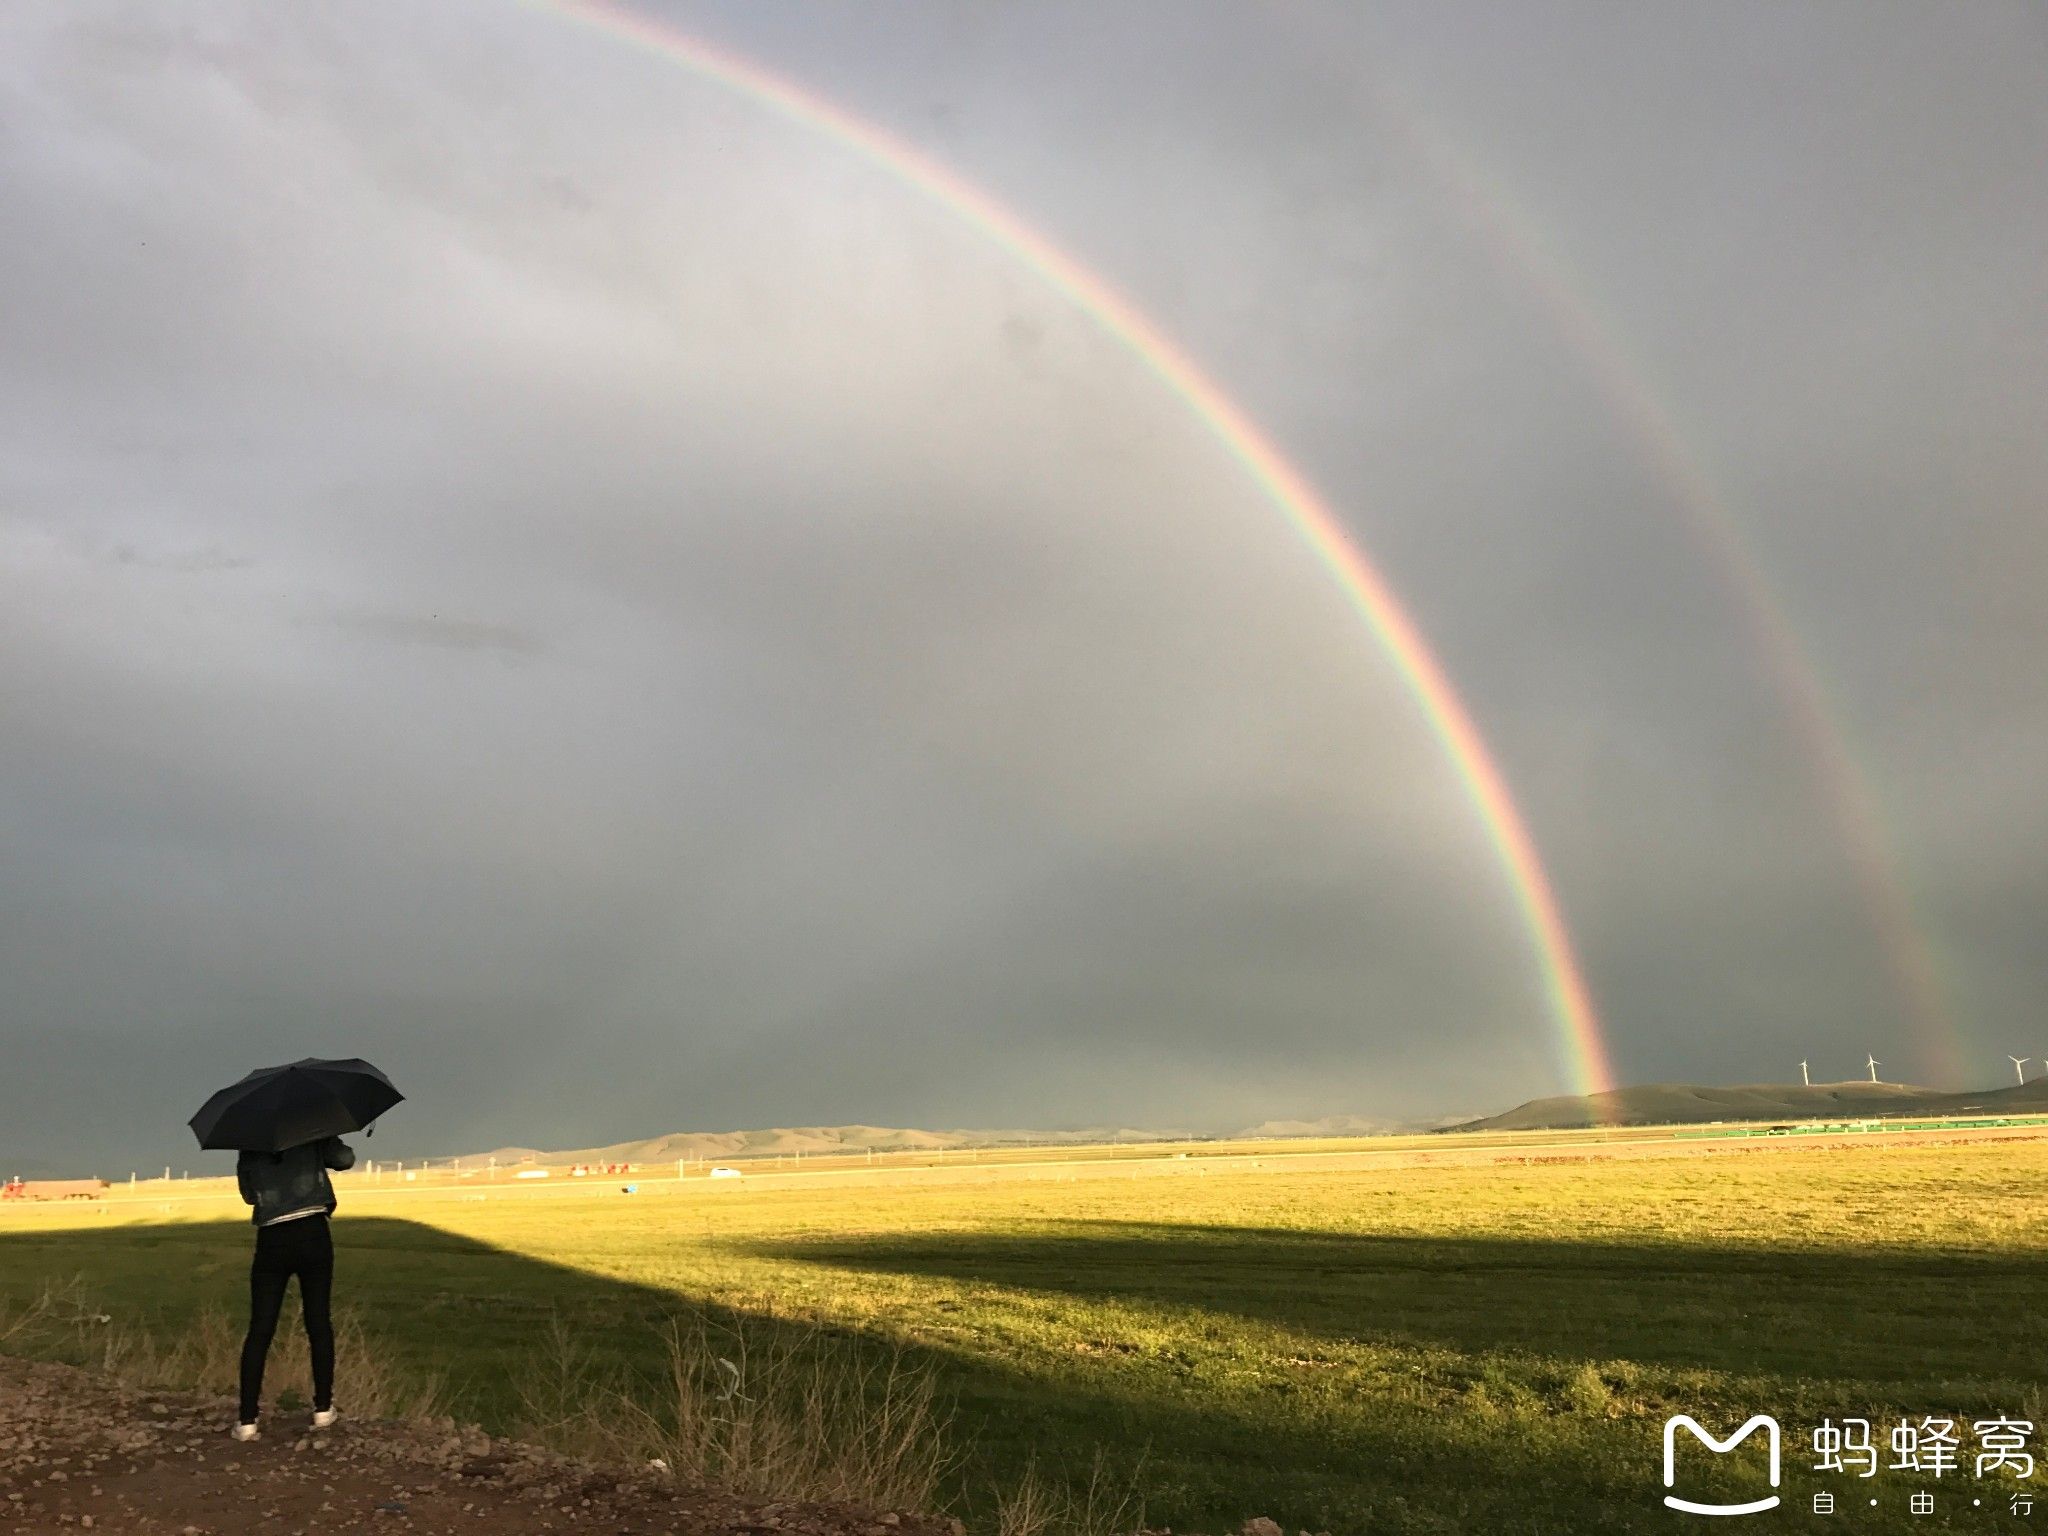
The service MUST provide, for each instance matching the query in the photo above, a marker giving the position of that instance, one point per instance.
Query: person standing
(291, 1198)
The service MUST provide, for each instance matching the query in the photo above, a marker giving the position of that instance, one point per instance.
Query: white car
(725, 1173)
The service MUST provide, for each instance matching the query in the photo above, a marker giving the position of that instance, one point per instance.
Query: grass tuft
(1037, 1505)
(205, 1354)
(762, 1406)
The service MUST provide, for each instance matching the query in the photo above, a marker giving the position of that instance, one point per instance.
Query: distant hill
(1329, 1125)
(1645, 1104)
(1694, 1104)
(1339, 1125)
(815, 1141)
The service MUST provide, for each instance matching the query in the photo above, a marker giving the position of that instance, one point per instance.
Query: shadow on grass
(1872, 1317)
(1213, 1427)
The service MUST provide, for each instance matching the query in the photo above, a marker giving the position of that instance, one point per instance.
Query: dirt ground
(82, 1452)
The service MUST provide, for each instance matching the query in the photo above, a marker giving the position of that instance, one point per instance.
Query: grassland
(1404, 1337)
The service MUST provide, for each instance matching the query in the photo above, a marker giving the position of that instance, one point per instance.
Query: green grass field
(1343, 1346)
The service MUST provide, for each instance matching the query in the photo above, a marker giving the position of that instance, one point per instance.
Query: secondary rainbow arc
(1526, 250)
(1583, 1050)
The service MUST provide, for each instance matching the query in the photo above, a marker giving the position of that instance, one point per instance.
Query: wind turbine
(1873, 1066)
(1805, 1077)
(2019, 1065)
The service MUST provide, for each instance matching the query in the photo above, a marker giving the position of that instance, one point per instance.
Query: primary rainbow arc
(1582, 1047)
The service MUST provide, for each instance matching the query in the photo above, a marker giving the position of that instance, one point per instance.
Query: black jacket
(293, 1181)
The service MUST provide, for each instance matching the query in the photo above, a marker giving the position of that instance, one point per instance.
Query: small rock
(1259, 1525)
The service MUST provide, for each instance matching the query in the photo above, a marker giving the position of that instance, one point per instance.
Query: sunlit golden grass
(1403, 1348)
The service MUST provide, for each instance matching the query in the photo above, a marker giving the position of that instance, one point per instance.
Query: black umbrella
(278, 1107)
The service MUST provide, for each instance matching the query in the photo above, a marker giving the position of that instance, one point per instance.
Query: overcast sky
(521, 564)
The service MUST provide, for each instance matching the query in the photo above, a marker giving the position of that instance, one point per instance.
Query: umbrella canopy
(278, 1107)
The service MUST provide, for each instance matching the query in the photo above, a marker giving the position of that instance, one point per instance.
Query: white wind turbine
(1805, 1077)
(2019, 1065)
(1873, 1066)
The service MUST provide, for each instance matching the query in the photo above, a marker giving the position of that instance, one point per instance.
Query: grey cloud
(512, 550)
(432, 629)
(203, 560)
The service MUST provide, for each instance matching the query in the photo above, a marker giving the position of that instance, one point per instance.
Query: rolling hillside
(815, 1141)
(1693, 1103)
(1643, 1104)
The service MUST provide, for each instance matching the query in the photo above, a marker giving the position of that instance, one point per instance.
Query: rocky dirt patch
(84, 1452)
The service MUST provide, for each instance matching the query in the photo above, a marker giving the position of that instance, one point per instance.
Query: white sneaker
(324, 1418)
(246, 1432)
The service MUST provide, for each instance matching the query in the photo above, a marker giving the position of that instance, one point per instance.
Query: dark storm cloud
(521, 564)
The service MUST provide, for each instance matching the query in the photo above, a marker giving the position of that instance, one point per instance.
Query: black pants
(304, 1248)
